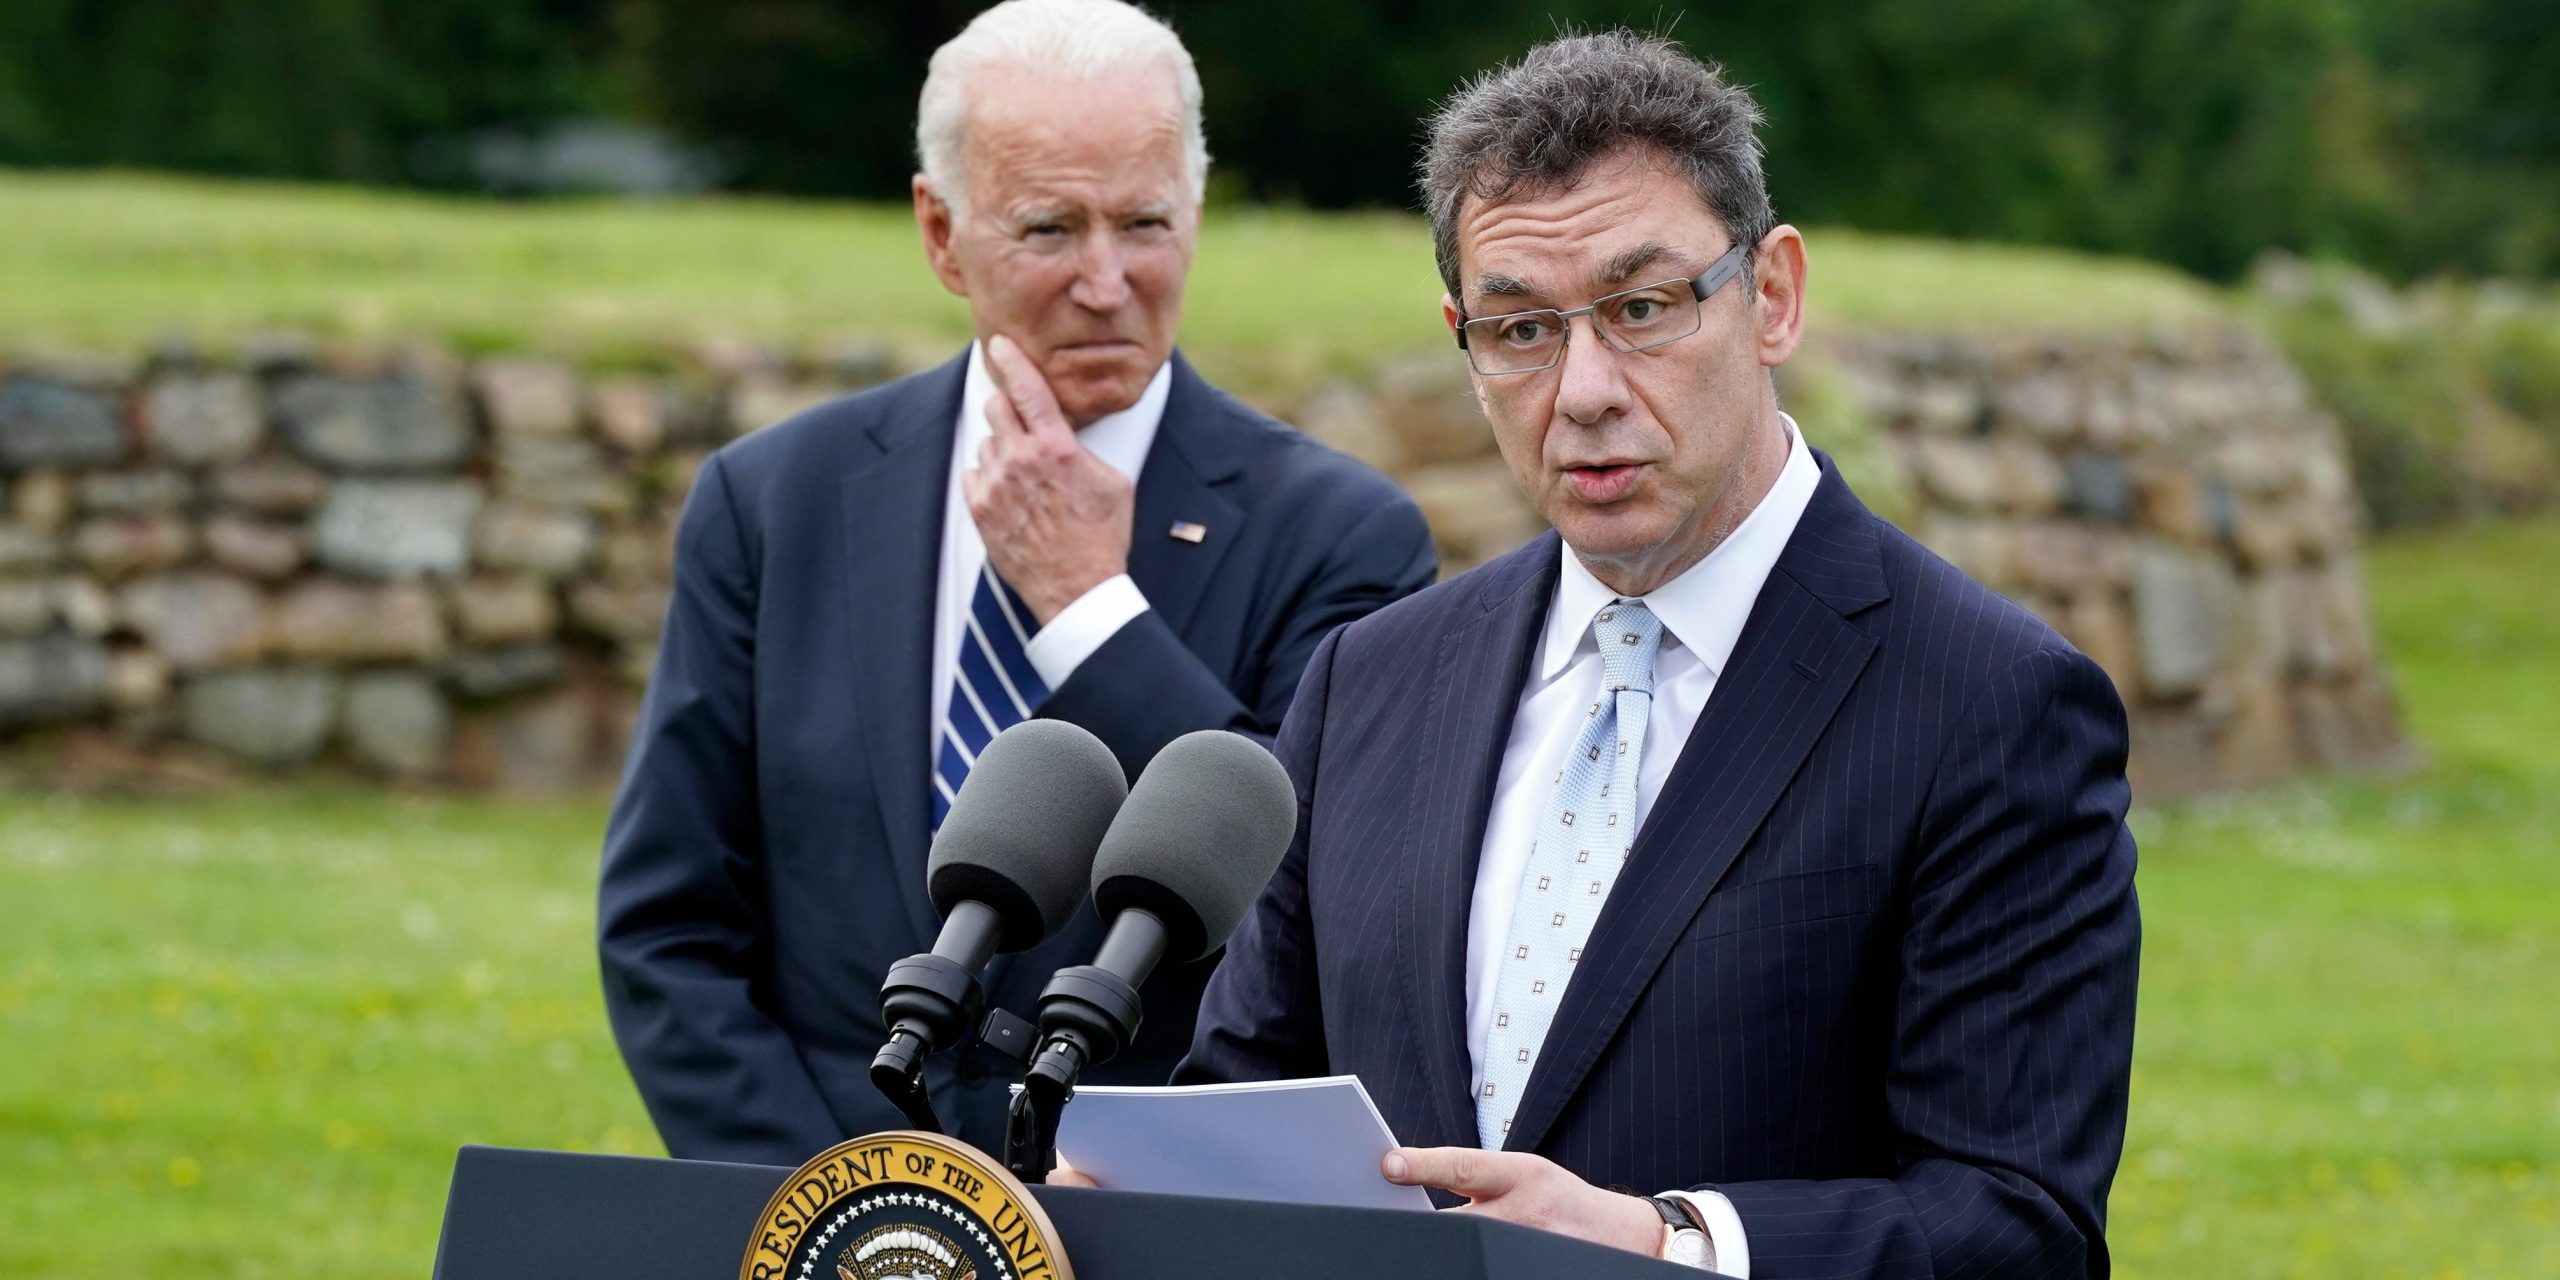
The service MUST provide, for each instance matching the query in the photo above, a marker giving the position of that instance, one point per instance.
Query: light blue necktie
(1585, 836)
(993, 687)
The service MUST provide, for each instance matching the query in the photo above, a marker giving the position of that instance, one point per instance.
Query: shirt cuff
(1057, 649)
(1724, 1231)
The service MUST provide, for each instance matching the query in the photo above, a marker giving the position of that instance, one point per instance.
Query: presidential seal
(903, 1206)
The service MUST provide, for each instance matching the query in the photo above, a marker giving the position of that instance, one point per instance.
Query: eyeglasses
(1631, 321)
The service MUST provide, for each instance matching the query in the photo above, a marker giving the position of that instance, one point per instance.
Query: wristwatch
(1682, 1241)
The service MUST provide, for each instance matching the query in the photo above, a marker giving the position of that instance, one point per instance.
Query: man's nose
(1102, 272)
(1592, 382)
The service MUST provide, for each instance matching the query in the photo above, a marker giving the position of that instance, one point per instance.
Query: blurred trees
(2416, 135)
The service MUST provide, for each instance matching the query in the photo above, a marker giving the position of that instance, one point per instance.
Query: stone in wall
(398, 422)
(630, 415)
(26, 607)
(334, 621)
(628, 612)
(1475, 511)
(759, 400)
(270, 486)
(527, 538)
(546, 742)
(397, 722)
(118, 547)
(269, 716)
(527, 397)
(260, 549)
(2097, 487)
(44, 423)
(205, 420)
(570, 474)
(52, 677)
(42, 501)
(492, 610)
(197, 621)
(495, 673)
(133, 493)
(396, 528)
(24, 550)
(643, 552)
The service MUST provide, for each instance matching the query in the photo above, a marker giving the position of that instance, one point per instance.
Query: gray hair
(1537, 124)
(1069, 39)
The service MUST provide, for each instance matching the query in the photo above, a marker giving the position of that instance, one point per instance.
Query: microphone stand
(1087, 1013)
(930, 1001)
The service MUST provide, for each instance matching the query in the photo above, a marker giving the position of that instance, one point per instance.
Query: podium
(513, 1214)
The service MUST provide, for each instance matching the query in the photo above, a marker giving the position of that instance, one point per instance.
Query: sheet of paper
(1283, 1141)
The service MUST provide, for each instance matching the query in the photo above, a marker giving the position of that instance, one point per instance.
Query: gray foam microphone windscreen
(1021, 833)
(1201, 834)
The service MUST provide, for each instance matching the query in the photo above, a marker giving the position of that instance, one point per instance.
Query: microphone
(1200, 835)
(1008, 870)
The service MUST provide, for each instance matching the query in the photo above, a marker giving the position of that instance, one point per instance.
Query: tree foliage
(2417, 135)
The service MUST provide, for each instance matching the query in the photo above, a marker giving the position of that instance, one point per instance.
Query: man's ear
(1778, 272)
(1449, 314)
(934, 222)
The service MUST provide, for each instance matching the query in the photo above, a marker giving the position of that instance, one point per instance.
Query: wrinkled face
(1077, 233)
(1643, 461)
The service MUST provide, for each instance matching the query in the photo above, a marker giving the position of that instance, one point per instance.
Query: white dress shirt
(1702, 613)
(1122, 440)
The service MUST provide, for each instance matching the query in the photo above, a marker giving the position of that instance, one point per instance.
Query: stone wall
(452, 572)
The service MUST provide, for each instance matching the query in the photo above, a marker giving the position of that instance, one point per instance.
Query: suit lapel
(1797, 658)
(893, 531)
(1474, 692)
(1192, 455)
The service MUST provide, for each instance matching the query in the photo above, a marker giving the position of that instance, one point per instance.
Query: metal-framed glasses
(1631, 320)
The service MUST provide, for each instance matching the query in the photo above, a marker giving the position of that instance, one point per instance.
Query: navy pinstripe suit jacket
(1869, 971)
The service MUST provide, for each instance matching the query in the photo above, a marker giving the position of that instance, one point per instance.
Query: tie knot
(1629, 635)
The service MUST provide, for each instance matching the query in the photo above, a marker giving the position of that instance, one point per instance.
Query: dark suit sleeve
(1261, 1018)
(679, 918)
(2013, 1037)
(1143, 688)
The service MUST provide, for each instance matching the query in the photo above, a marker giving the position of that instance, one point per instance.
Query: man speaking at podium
(1064, 522)
(1732, 850)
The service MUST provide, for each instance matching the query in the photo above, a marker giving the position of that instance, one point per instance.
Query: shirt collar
(1706, 606)
(1121, 439)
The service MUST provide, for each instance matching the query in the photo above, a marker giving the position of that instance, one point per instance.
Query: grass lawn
(242, 1036)
(112, 261)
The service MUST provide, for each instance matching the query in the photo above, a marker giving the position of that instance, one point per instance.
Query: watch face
(1688, 1248)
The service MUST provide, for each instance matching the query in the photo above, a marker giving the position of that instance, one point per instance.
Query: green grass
(111, 261)
(2348, 1052)
(241, 1036)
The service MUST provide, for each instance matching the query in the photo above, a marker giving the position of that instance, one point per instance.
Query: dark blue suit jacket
(766, 858)
(1869, 971)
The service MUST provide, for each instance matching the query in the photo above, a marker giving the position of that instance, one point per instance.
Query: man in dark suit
(1732, 849)
(1066, 521)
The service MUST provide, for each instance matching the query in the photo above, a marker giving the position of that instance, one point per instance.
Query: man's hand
(1530, 1190)
(1055, 517)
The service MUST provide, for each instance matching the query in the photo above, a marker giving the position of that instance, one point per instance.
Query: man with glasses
(1064, 521)
(1724, 847)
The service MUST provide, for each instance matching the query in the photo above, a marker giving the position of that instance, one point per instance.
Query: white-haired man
(1064, 521)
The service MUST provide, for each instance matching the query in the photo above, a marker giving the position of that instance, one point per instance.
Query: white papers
(1280, 1141)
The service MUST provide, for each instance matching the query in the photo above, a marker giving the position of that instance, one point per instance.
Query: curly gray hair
(1537, 124)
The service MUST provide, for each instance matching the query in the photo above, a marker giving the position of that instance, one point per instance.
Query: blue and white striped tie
(993, 686)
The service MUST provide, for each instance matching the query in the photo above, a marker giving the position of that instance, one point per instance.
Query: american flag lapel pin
(1185, 531)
